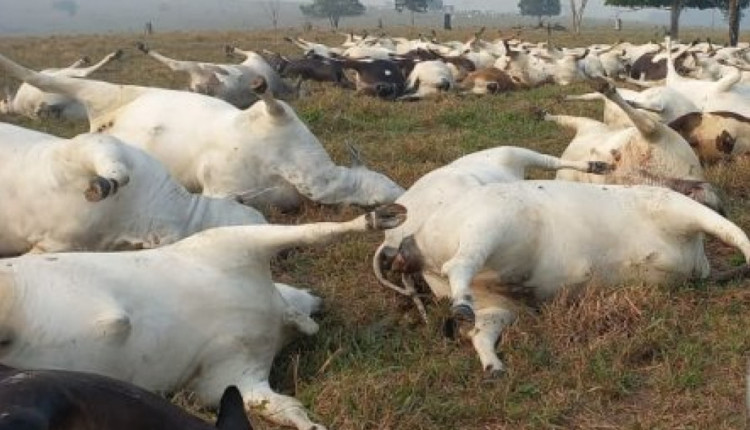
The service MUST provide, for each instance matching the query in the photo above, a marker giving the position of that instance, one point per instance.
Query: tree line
(731, 9)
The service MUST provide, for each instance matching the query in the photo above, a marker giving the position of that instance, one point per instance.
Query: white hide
(647, 149)
(32, 102)
(726, 94)
(539, 236)
(444, 185)
(429, 77)
(44, 179)
(660, 103)
(200, 314)
(264, 155)
(229, 82)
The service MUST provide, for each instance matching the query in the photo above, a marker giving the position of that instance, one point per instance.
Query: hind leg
(489, 325)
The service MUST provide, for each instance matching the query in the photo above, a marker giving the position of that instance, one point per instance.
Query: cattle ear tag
(232, 414)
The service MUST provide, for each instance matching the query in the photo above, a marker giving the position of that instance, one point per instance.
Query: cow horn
(356, 155)
(260, 87)
(229, 50)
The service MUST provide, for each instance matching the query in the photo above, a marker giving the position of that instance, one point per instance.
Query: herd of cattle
(175, 184)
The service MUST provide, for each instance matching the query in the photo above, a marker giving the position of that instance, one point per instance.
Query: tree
(413, 6)
(272, 9)
(539, 8)
(576, 13)
(732, 11)
(674, 6)
(333, 10)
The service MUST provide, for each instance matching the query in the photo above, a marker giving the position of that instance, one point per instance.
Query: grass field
(639, 357)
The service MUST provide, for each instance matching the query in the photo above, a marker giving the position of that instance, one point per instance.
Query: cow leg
(250, 376)
(82, 72)
(276, 238)
(98, 97)
(284, 410)
(461, 270)
(573, 122)
(589, 97)
(647, 126)
(489, 325)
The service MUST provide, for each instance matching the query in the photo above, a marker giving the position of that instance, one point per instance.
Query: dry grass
(637, 357)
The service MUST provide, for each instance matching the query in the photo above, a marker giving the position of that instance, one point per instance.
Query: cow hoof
(385, 217)
(600, 167)
(99, 188)
(492, 372)
(463, 313)
(603, 86)
(259, 85)
(538, 113)
(450, 329)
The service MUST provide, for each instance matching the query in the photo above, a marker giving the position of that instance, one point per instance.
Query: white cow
(200, 314)
(726, 94)
(498, 242)
(263, 155)
(446, 184)
(661, 103)
(229, 82)
(428, 78)
(648, 152)
(31, 102)
(93, 192)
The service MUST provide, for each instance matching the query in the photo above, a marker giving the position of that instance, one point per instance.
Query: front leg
(284, 410)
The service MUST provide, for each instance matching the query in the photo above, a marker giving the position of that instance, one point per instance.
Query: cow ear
(356, 156)
(232, 411)
(725, 142)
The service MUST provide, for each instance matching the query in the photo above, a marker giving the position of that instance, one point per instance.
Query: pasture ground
(638, 357)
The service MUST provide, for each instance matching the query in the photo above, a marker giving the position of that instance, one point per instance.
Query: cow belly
(147, 320)
(653, 261)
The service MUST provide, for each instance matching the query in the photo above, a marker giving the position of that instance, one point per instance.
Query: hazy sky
(82, 16)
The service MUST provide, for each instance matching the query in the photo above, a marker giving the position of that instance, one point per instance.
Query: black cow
(63, 400)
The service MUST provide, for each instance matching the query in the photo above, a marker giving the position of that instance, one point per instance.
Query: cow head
(376, 187)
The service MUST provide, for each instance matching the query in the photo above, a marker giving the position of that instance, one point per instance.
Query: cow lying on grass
(229, 82)
(528, 239)
(200, 314)
(62, 400)
(443, 185)
(264, 155)
(93, 192)
(648, 152)
(31, 102)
